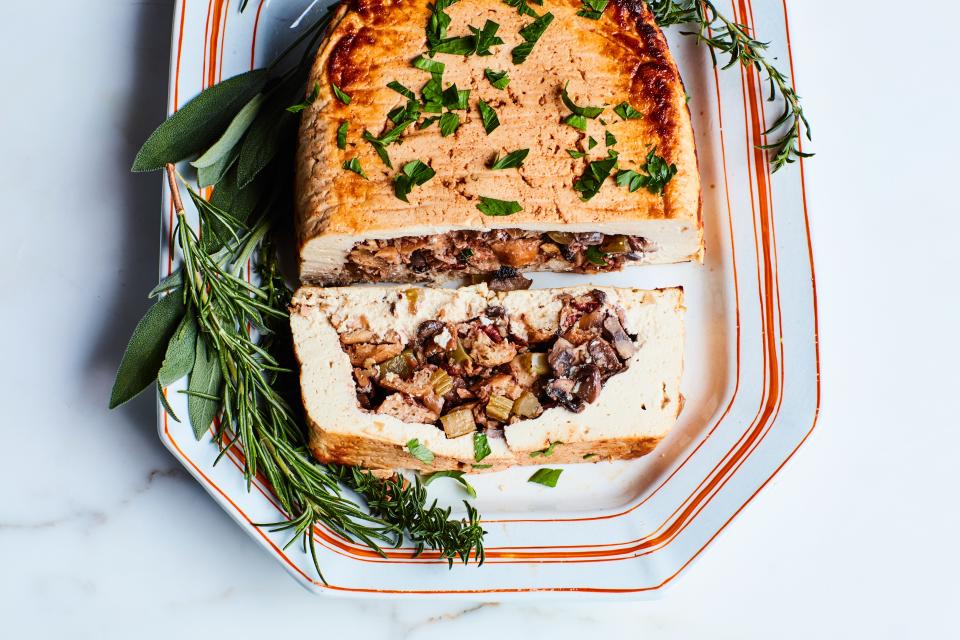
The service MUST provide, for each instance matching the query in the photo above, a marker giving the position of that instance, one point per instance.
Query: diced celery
(459, 422)
(499, 408)
(527, 406)
(616, 244)
(441, 382)
(560, 237)
(535, 364)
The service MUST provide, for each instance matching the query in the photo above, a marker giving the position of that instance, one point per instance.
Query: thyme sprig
(727, 37)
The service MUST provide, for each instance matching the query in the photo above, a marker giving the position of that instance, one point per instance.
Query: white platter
(622, 529)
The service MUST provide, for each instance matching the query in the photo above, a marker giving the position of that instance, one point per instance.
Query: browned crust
(372, 42)
(360, 451)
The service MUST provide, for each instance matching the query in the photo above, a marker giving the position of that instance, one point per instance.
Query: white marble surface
(102, 535)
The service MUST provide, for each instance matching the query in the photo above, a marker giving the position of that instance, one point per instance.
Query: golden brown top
(622, 57)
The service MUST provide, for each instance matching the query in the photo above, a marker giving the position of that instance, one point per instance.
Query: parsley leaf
(300, 106)
(498, 79)
(438, 23)
(494, 207)
(410, 112)
(481, 448)
(657, 174)
(593, 9)
(449, 122)
(486, 37)
(354, 165)
(426, 64)
(456, 475)
(427, 122)
(588, 185)
(586, 112)
(591, 142)
(609, 139)
(548, 451)
(460, 45)
(413, 175)
(575, 121)
(419, 451)
(523, 8)
(546, 477)
(489, 117)
(341, 96)
(452, 98)
(342, 134)
(512, 160)
(625, 111)
(530, 34)
(576, 154)
(402, 90)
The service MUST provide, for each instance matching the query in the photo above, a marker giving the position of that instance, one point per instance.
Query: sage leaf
(270, 130)
(181, 351)
(172, 281)
(166, 403)
(238, 126)
(209, 176)
(145, 352)
(198, 123)
(205, 383)
(456, 475)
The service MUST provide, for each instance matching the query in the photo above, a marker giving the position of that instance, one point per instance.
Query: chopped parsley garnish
(530, 34)
(578, 119)
(596, 256)
(342, 134)
(354, 165)
(300, 106)
(382, 153)
(486, 37)
(426, 64)
(499, 79)
(452, 98)
(420, 452)
(449, 122)
(591, 142)
(625, 111)
(410, 112)
(523, 8)
(546, 477)
(593, 9)
(494, 207)
(588, 185)
(481, 448)
(460, 45)
(512, 160)
(390, 136)
(438, 23)
(413, 175)
(609, 139)
(576, 155)
(657, 173)
(427, 122)
(341, 96)
(548, 451)
(402, 90)
(587, 456)
(455, 475)
(489, 117)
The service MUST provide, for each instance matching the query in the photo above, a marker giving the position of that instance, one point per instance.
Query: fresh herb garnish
(449, 122)
(486, 37)
(342, 134)
(587, 456)
(419, 451)
(726, 37)
(523, 8)
(412, 175)
(576, 155)
(609, 139)
(455, 475)
(453, 98)
(498, 79)
(495, 207)
(431, 66)
(426, 122)
(300, 106)
(512, 160)
(489, 117)
(593, 9)
(481, 466)
(548, 451)
(546, 477)
(625, 111)
(578, 118)
(591, 142)
(354, 165)
(410, 111)
(341, 96)
(438, 23)
(530, 34)
(460, 45)
(481, 448)
(656, 174)
(402, 90)
(588, 185)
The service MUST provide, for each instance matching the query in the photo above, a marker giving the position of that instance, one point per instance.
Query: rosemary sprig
(729, 38)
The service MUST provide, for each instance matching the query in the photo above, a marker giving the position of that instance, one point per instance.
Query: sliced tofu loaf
(573, 215)
(593, 370)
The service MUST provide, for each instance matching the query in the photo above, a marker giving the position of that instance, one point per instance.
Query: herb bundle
(230, 337)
